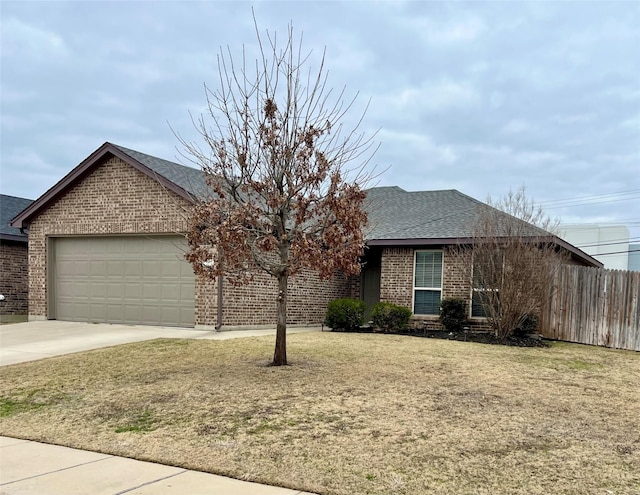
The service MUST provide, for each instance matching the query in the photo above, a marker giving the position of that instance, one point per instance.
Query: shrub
(528, 324)
(390, 317)
(453, 313)
(345, 314)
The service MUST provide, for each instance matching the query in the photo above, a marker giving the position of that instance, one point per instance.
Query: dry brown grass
(353, 414)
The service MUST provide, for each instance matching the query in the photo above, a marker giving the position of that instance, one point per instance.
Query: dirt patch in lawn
(352, 414)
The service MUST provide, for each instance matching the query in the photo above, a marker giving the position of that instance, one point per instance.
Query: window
(487, 279)
(427, 282)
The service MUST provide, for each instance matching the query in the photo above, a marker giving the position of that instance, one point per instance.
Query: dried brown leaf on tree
(287, 179)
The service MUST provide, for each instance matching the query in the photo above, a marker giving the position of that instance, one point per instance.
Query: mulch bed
(478, 337)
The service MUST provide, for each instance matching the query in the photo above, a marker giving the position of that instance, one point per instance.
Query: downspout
(219, 304)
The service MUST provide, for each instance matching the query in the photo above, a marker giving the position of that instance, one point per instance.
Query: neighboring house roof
(10, 206)
(396, 216)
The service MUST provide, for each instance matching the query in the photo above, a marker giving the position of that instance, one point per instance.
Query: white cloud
(27, 159)
(581, 118)
(422, 147)
(439, 32)
(633, 124)
(25, 40)
(433, 96)
(141, 74)
(517, 126)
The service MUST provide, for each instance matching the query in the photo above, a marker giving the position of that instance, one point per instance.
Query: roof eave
(419, 241)
(14, 237)
(23, 219)
(574, 251)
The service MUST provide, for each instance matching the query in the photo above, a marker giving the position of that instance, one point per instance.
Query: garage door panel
(116, 268)
(79, 267)
(114, 290)
(170, 313)
(132, 290)
(98, 311)
(66, 268)
(98, 268)
(97, 291)
(123, 280)
(171, 269)
(75, 311)
(133, 268)
(131, 312)
(151, 268)
(171, 292)
(186, 293)
(187, 314)
(151, 293)
(151, 313)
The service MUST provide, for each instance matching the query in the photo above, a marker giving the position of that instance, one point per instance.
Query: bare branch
(288, 179)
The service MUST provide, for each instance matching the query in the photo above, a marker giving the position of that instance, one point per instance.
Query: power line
(617, 252)
(591, 197)
(625, 241)
(578, 203)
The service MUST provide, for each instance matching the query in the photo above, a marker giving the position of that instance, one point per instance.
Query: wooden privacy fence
(594, 306)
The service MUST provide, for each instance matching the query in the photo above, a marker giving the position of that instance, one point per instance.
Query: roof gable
(185, 181)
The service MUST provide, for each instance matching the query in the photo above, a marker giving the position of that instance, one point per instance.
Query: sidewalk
(31, 468)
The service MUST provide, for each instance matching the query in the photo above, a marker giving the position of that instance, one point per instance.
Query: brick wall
(14, 278)
(396, 276)
(308, 296)
(113, 199)
(396, 281)
(118, 199)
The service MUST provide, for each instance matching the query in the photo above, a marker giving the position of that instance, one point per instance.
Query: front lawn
(353, 414)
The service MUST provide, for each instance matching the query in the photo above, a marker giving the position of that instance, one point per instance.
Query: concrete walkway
(31, 468)
(21, 342)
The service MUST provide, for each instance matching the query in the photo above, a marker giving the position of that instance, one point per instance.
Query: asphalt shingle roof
(188, 178)
(448, 214)
(10, 206)
(393, 212)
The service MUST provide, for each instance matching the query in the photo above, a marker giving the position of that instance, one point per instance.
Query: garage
(121, 279)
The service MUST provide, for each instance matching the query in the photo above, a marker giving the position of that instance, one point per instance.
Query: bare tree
(287, 179)
(514, 260)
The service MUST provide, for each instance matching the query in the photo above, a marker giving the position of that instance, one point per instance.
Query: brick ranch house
(106, 244)
(14, 268)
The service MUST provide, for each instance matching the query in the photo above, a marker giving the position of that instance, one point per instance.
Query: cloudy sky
(480, 96)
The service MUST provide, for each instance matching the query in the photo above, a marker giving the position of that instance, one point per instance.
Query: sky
(482, 97)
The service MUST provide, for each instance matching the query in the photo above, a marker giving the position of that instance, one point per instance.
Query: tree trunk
(280, 353)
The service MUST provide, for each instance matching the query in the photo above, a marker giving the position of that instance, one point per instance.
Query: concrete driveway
(21, 342)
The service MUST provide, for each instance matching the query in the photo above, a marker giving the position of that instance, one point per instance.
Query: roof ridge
(126, 150)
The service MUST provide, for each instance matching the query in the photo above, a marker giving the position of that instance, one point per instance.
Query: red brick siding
(396, 276)
(113, 199)
(308, 296)
(14, 278)
(396, 281)
(118, 199)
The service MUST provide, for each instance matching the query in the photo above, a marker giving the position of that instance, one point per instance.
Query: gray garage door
(139, 280)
